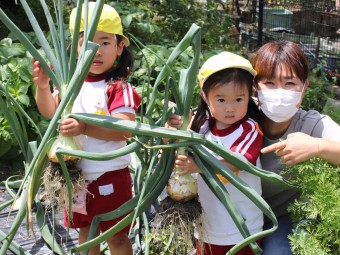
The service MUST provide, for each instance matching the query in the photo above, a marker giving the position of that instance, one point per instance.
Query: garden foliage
(316, 214)
(16, 78)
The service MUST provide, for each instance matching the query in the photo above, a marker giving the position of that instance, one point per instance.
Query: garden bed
(28, 242)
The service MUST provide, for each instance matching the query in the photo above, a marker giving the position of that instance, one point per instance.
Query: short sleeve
(249, 143)
(122, 95)
(327, 128)
(314, 124)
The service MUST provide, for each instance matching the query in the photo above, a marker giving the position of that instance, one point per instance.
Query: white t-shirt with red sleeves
(244, 138)
(97, 98)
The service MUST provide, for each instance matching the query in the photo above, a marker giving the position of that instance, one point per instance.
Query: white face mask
(279, 105)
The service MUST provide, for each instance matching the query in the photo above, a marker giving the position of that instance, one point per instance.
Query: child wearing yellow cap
(226, 115)
(105, 91)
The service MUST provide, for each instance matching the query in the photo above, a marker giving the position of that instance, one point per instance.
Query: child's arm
(229, 165)
(46, 102)
(73, 127)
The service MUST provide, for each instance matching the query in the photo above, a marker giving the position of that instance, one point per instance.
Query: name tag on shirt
(106, 190)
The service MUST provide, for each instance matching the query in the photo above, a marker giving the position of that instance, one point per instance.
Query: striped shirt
(244, 138)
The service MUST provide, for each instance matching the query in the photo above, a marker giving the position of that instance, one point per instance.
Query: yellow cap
(109, 21)
(222, 61)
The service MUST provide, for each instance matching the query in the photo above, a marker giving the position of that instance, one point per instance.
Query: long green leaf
(42, 39)
(15, 122)
(243, 164)
(244, 188)
(45, 231)
(14, 246)
(136, 128)
(29, 46)
(53, 32)
(63, 46)
(74, 44)
(182, 46)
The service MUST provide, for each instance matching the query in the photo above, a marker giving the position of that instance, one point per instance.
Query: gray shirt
(311, 123)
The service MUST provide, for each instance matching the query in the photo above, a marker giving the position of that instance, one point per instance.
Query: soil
(7, 171)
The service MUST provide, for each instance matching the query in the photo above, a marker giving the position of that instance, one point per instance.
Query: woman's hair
(280, 54)
(239, 77)
(122, 69)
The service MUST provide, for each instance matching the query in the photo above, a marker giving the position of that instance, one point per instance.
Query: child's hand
(174, 121)
(40, 78)
(186, 164)
(72, 127)
(296, 148)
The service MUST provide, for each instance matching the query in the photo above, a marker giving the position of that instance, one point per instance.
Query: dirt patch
(7, 171)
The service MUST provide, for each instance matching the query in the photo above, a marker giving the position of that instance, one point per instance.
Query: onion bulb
(66, 143)
(181, 187)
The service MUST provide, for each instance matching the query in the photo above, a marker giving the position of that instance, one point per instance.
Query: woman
(291, 134)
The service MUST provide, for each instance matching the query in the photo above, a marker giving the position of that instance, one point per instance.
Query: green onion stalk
(182, 187)
(55, 185)
(180, 211)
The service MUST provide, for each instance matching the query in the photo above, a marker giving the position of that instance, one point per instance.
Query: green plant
(332, 109)
(16, 78)
(164, 243)
(317, 210)
(14, 10)
(315, 97)
(159, 22)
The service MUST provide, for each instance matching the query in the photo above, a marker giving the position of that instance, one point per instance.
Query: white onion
(181, 187)
(63, 142)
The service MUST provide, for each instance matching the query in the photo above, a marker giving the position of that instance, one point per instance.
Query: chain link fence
(313, 24)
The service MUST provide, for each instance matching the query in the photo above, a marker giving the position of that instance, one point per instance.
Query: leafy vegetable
(316, 213)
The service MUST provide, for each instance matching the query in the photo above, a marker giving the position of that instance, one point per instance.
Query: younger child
(226, 115)
(107, 92)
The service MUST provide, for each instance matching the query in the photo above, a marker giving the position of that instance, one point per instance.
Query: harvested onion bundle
(54, 179)
(180, 212)
(181, 188)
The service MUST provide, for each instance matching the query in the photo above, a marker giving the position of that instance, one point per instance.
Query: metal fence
(314, 25)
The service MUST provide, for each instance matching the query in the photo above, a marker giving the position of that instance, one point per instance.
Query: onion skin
(181, 188)
(62, 142)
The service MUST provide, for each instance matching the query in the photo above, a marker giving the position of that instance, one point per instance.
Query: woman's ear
(255, 91)
(303, 92)
(306, 84)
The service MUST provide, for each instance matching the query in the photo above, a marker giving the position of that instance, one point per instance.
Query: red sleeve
(249, 144)
(122, 95)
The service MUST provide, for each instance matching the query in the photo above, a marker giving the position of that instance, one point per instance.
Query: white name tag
(106, 190)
